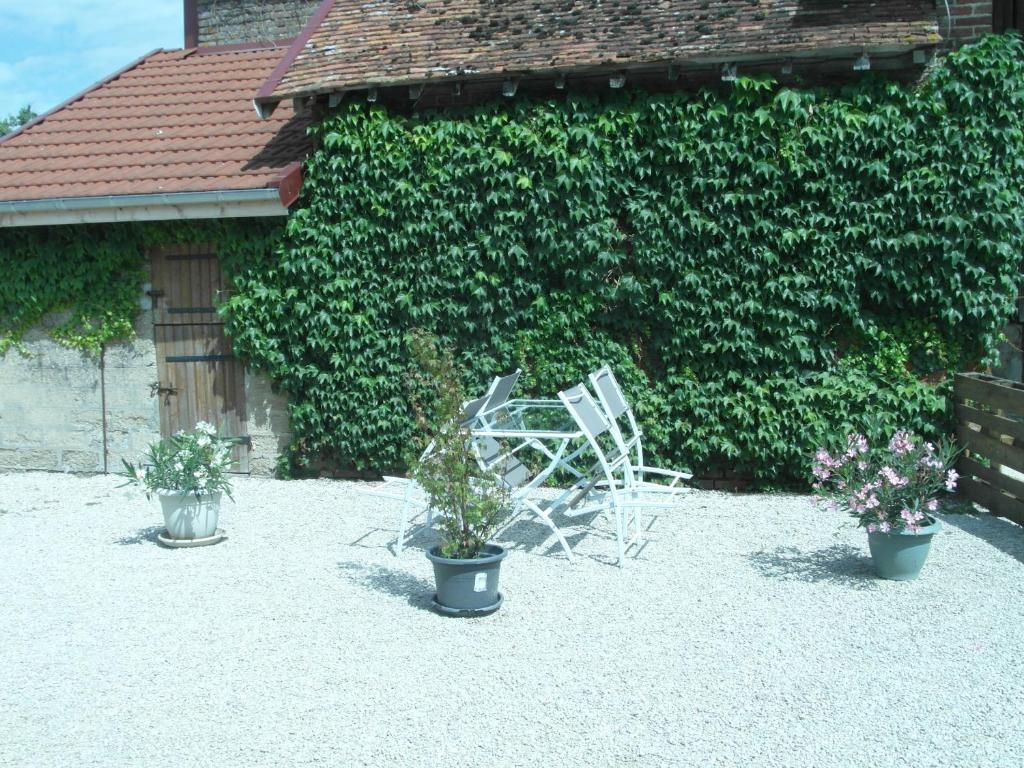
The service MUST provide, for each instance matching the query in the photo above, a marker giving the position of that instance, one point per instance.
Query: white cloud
(52, 49)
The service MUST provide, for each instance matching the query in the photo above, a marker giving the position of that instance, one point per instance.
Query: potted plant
(188, 473)
(892, 491)
(467, 499)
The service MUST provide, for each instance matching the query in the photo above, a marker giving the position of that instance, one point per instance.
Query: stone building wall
(51, 403)
(267, 417)
(52, 416)
(228, 22)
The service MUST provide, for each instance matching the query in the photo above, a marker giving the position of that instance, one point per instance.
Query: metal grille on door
(200, 378)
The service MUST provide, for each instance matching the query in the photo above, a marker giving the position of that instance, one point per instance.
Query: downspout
(103, 403)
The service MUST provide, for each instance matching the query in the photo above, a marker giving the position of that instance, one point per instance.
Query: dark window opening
(1007, 14)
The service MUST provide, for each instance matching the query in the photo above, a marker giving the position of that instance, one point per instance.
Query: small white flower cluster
(191, 462)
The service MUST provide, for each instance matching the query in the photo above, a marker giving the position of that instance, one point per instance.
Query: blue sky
(52, 49)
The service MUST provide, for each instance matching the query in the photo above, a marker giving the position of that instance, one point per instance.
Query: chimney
(191, 23)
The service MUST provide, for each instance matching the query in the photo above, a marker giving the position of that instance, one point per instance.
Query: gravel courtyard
(739, 636)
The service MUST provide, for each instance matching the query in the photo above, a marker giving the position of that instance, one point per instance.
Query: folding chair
(615, 407)
(499, 392)
(606, 471)
(522, 482)
(612, 479)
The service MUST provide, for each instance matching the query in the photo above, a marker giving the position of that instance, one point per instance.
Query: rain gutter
(150, 207)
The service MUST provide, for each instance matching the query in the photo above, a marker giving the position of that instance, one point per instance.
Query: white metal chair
(517, 477)
(499, 392)
(615, 406)
(610, 471)
(613, 480)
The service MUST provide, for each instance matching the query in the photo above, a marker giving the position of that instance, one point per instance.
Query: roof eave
(266, 105)
(171, 206)
(265, 100)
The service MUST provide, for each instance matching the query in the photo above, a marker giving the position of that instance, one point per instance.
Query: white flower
(206, 428)
(140, 474)
(179, 466)
(203, 441)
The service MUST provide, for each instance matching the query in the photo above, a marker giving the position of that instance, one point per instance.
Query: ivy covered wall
(93, 273)
(69, 292)
(763, 267)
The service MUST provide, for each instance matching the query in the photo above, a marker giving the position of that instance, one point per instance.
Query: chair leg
(620, 535)
(638, 522)
(551, 524)
(621, 527)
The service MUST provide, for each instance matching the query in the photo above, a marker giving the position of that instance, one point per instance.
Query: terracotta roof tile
(385, 42)
(177, 121)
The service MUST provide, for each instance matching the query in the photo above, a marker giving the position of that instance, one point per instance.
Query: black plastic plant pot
(468, 587)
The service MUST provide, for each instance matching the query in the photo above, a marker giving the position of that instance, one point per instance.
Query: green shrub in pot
(469, 501)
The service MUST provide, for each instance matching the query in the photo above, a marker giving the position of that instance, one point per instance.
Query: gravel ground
(738, 636)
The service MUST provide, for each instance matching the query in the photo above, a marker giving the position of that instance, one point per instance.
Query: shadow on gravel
(142, 536)
(417, 536)
(1002, 534)
(417, 592)
(840, 563)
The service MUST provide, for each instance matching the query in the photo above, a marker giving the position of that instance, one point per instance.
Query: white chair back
(473, 408)
(609, 392)
(614, 403)
(585, 412)
(501, 390)
(496, 395)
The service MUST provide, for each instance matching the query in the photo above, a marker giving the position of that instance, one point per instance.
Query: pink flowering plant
(888, 488)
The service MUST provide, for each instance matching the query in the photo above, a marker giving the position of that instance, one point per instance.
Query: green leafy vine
(764, 267)
(89, 278)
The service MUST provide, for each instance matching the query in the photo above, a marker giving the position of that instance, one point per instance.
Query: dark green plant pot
(900, 556)
(468, 587)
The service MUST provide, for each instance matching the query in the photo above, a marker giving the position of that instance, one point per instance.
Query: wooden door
(200, 378)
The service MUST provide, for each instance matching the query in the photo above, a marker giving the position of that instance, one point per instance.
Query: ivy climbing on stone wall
(763, 266)
(92, 275)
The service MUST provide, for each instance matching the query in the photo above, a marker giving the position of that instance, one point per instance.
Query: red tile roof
(358, 43)
(175, 121)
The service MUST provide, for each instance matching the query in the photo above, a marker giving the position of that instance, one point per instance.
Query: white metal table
(544, 426)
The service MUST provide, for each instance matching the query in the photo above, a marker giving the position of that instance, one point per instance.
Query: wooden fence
(990, 427)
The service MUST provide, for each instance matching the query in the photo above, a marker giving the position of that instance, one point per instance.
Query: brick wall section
(969, 20)
(52, 414)
(228, 22)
